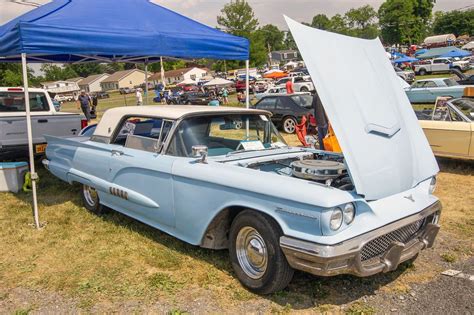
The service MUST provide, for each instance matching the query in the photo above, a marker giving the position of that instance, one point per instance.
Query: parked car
(223, 177)
(102, 94)
(126, 90)
(449, 127)
(439, 65)
(240, 85)
(300, 84)
(195, 98)
(408, 75)
(426, 91)
(45, 120)
(463, 79)
(63, 98)
(287, 110)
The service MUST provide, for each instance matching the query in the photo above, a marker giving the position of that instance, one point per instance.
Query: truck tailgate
(13, 129)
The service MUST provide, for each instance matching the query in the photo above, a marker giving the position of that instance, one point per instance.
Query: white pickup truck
(45, 121)
(438, 65)
(300, 84)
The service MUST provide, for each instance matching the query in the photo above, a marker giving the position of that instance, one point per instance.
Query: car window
(223, 134)
(15, 102)
(450, 82)
(267, 103)
(429, 84)
(282, 81)
(441, 112)
(438, 61)
(418, 84)
(465, 105)
(281, 104)
(143, 133)
(303, 100)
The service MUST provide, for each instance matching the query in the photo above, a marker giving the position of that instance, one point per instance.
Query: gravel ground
(443, 295)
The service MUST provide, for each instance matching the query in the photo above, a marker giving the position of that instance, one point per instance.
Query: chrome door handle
(117, 152)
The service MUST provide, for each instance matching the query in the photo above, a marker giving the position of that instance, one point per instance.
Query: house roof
(284, 51)
(175, 73)
(91, 79)
(119, 75)
(76, 79)
(113, 116)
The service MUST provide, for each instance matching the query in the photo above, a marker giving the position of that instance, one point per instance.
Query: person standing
(321, 120)
(289, 87)
(83, 101)
(139, 97)
(225, 95)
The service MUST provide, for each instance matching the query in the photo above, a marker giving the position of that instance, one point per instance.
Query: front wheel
(422, 72)
(255, 253)
(90, 199)
(304, 89)
(289, 124)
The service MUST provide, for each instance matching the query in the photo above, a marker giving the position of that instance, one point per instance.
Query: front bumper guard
(346, 258)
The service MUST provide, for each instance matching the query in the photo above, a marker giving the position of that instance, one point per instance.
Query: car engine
(329, 172)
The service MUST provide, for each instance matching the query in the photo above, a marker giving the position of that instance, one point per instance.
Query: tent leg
(34, 176)
(162, 70)
(247, 84)
(146, 82)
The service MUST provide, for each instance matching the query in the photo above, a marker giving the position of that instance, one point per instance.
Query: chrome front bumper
(377, 251)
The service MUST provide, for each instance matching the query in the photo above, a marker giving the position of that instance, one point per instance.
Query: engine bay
(328, 170)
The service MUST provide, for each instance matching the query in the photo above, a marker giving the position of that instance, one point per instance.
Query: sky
(267, 11)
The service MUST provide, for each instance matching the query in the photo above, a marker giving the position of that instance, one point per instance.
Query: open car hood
(384, 147)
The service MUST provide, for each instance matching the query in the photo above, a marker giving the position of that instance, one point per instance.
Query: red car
(240, 86)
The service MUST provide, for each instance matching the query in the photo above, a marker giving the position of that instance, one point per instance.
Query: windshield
(15, 102)
(225, 134)
(303, 100)
(465, 105)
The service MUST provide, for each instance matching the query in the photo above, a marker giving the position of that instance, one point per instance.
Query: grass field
(79, 262)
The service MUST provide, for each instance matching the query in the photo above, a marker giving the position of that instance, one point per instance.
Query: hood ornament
(409, 197)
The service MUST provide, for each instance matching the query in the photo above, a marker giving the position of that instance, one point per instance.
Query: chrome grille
(378, 246)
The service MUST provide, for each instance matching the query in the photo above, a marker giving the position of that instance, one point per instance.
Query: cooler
(12, 175)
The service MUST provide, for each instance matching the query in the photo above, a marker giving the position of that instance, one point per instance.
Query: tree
(361, 22)
(11, 75)
(338, 24)
(454, 22)
(405, 21)
(54, 72)
(238, 18)
(272, 37)
(321, 21)
(87, 69)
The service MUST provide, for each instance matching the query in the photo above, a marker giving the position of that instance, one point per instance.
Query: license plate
(40, 148)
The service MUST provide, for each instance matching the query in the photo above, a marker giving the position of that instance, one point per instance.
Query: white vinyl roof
(113, 116)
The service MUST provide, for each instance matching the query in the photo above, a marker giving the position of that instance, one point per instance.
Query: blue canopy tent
(405, 59)
(421, 51)
(457, 53)
(138, 31)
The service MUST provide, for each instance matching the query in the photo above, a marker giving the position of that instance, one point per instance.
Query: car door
(140, 177)
(268, 103)
(417, 93)
(447, 132)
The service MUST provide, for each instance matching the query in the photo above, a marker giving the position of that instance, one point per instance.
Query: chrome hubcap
(90, 195)
(251, 252)
(289, 125)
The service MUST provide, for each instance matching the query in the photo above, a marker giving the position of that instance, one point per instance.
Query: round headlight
(349, 213)
(432, 185)
(336, 219)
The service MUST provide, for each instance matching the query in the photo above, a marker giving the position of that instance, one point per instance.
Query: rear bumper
(11, 152)
(377, 251)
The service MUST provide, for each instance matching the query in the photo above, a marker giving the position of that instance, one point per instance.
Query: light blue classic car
(426, 91)
(222, 177)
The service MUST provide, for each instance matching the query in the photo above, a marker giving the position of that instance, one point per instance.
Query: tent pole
(146, 82)
(247, 84)
(34, 176)
(162, 70)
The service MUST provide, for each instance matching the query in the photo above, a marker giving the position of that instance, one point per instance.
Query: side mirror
(200, 151)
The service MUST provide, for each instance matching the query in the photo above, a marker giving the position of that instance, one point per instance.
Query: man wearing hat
(138, 95)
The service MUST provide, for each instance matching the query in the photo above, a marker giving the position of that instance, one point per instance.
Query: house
(76, 79)
(284, 56)
(92, 82)
(179, 75)
(122, 79)
(61, 87)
